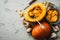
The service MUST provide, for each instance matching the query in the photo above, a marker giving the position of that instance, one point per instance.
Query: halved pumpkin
(36, 11)
(52, 15)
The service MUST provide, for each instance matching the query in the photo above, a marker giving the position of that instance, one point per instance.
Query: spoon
(42, 26)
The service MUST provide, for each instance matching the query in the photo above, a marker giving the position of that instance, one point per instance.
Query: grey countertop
(11, 27)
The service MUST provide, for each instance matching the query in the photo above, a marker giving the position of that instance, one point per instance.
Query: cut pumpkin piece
(36, 11)
(53, 19)
(52, 15)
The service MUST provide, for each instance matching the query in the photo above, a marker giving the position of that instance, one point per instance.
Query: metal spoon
(42, 26)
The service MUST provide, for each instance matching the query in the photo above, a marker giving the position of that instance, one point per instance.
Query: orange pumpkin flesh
(39, 32)
(35, 11)
(52, 15)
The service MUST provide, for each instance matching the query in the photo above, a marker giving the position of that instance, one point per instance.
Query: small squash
(35, 12)
(52, 15)
(39, 32)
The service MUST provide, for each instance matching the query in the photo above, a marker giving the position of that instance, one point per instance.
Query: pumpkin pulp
(35, 12)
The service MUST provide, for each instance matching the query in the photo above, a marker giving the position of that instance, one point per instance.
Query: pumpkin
(52, 15)
(39, 32)
(35, 12)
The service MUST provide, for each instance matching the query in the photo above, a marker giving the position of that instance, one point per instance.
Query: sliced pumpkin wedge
(36, 11)
(52, 15)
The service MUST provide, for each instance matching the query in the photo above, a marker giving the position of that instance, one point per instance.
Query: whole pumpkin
(39, 32)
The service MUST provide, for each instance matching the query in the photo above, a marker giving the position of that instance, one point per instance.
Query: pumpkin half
(35, 12)
(52, 15)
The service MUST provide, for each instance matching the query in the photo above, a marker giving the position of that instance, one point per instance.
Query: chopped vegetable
(35, 11)
(52, 15)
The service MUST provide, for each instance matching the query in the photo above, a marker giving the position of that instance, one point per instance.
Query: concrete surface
(11, 27)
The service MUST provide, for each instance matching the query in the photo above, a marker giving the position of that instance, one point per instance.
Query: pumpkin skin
(41, 15)
(39, 32)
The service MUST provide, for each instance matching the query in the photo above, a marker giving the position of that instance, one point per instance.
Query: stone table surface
(11, 27)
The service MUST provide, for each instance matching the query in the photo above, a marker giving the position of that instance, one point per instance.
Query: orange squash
(52, 15)
(39, 32)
